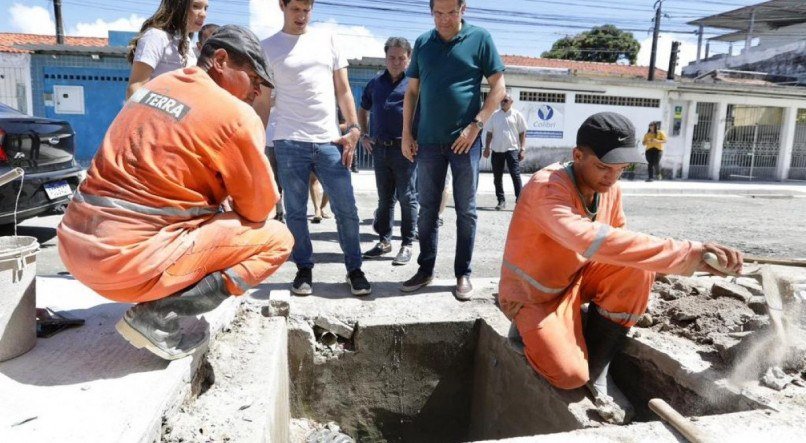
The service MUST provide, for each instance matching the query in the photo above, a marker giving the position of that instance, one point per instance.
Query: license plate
(57, 189)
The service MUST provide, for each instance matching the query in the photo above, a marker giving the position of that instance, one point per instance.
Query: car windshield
(8, 110)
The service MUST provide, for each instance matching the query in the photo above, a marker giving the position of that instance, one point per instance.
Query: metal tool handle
(683, 425)
(11, 175)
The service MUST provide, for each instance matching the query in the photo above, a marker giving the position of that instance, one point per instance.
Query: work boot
(604, 340)
(154, 325)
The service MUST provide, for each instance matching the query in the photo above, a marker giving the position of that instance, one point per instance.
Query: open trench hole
(452, 382)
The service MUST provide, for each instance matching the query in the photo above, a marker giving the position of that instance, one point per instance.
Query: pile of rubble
(727, 319)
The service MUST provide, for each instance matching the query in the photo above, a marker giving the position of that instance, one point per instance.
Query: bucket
(17, 295)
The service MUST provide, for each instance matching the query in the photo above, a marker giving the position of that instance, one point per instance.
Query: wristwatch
(479, 124)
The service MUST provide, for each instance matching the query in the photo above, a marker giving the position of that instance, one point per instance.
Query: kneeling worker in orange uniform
(144, 226)
(567, 245)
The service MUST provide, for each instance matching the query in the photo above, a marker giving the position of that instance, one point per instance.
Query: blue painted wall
(104, 83)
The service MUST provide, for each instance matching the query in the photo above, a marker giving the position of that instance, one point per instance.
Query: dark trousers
(273, 163)
(396, 178)
(653, 159)
(433, 162)
(511, 159)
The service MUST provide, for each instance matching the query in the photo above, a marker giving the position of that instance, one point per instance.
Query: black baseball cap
(241, 41)
(611, 136)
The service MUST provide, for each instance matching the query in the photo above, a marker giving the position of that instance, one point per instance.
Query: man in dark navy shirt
(394, 174)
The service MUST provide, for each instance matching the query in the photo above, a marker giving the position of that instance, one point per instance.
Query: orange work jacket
(551, 238)
(177, 149)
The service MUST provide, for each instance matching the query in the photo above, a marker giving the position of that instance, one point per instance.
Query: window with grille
(612, 100)
(542, 97)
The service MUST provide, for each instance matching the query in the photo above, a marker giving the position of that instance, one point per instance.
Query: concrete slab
(753, 426)
(88, 384)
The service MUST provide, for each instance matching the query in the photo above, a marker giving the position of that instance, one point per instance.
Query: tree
(600, 44)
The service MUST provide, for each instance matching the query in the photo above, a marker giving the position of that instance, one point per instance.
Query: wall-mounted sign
(544, 120)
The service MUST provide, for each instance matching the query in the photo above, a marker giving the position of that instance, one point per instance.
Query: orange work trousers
(247, 253)
(552, 331)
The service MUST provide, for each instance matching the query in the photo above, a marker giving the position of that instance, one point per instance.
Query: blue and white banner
(544, 120)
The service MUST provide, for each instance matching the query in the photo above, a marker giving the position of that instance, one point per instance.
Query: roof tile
(585, 68)
(9, 40)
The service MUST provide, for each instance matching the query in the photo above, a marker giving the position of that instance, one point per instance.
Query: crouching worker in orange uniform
(567, 245)
(143, 228)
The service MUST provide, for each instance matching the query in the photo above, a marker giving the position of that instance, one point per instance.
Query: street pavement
(763, 219)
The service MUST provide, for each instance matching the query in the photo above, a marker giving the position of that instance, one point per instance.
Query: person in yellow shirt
(654, 140)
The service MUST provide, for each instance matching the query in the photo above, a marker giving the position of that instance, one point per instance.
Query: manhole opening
(455, 382)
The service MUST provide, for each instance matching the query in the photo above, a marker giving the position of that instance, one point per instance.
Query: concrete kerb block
(279, 304)
(334, 325)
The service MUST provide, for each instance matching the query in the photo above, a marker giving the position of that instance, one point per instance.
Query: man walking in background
(394, 174)
(506, 138)
(310, 74)
(447, 66)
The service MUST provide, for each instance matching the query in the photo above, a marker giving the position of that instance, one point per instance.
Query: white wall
(15, 69)
(779, 37)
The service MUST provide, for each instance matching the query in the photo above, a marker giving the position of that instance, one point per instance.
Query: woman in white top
(163, 43)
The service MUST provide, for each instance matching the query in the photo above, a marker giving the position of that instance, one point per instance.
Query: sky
(519, 27)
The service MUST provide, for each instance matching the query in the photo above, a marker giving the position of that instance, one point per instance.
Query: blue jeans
(295, 161)
(395, 176)
(432, 164)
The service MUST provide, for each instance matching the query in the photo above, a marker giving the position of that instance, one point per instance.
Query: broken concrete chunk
(758, 304)
(725, 346)
(645, 321)
(776, 378)
(732, 290)
(756, 323)
(334, 325)
(279, 304)
(751, 284)
(669, 294)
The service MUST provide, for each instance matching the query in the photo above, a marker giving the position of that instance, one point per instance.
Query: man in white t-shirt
(310, 77)
(506, 138)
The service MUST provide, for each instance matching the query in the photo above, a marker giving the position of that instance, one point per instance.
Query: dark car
(44, 149)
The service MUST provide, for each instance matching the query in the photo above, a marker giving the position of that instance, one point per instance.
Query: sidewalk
(364, 182)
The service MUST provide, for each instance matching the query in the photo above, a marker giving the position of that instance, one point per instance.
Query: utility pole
(57, 12)
(673, 60)
(653, 57)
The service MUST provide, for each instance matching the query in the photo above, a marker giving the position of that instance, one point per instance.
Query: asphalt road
(761, 226)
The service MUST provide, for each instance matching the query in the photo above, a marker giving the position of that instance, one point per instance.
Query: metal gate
(752, 143)
(12, 88)
(797, 169)
(701, 142)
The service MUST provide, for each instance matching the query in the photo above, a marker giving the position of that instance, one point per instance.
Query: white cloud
(688, 51)
(265, 17)
(100, 28)
(355, 41)
(31, 19)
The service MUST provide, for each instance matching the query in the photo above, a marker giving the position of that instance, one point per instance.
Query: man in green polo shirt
(447, 66)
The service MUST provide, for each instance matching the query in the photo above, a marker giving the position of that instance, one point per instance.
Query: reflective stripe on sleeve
(116, 203)
(617, 317)
(597, 242)
(520, 273)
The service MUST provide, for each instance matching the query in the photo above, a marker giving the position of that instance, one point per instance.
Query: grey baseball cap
(241, 41)
(611, 136)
